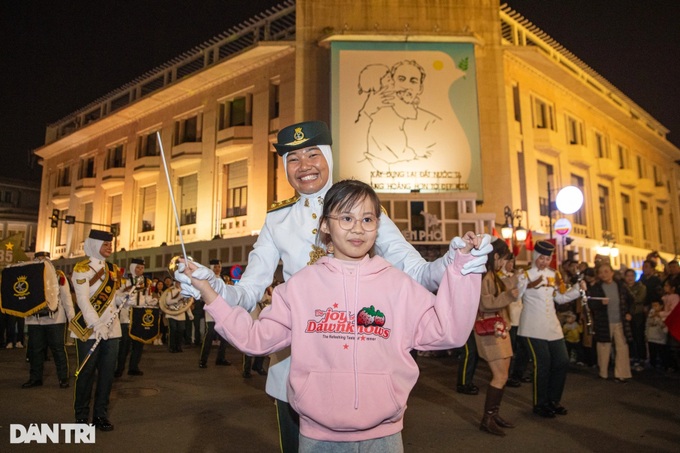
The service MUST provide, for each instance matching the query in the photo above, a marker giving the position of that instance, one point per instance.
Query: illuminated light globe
(569, 200)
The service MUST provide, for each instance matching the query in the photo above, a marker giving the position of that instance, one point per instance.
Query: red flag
(494, 233)
(673, 322)
(529, 242)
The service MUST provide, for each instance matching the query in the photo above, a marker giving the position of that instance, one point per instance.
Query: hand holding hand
(201, 280)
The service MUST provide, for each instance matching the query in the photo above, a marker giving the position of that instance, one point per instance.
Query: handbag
(494, 325)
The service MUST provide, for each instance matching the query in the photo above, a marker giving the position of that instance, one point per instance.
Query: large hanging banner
(405, 115)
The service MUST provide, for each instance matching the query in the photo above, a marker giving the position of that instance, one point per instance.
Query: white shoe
(9, 346)
(19, 345)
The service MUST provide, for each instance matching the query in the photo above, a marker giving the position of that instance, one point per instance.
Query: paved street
(177, 407)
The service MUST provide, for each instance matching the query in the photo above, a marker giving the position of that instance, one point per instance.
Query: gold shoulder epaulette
(82, 266)
(283, 204)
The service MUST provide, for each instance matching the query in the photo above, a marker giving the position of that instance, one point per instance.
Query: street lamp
(568, 200)
(509, 231)
(608, 247)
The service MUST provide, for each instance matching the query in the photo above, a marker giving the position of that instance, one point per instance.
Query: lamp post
(516, 234)
(608, 247)
(568, 200)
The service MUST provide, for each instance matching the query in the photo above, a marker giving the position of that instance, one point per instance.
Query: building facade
(19, 203)
(490, 113)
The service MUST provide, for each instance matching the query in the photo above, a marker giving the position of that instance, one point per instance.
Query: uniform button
(314, 215)
(314, 231)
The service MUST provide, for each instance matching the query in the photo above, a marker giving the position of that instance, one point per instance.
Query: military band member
(541, 331)
(289, 235)
(96, 284)
(46, 329)
(210, 334)
(141, 298)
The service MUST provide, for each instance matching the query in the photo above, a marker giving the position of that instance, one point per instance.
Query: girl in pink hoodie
(351, 320)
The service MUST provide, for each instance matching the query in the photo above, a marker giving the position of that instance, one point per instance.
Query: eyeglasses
(347, 222)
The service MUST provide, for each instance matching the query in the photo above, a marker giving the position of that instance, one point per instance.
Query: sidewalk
(177, 407)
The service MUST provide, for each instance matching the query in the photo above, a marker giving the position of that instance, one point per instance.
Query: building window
(580, 215)
(236, 112)
(658, 182)
(62, 228)
(661, 221)
(64, 177)
(116, 204)
(543, 115)
(602, 145)
(188, 189)
(641, 167)
(624, 157)
(147, 145)
(574, 131)
(147, 208)
(516, 102)
(87, 220)
(237, 188)
(115, 157)
(545, 177)
(274, 99)
(625, 208)
(189, 130)
(603, 198)
(86, 168)
(644, 217)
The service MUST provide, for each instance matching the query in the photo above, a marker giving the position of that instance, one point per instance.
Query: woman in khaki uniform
(496, 349)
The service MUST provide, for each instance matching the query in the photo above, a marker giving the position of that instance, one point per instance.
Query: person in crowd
(98, 299)
(289, 236)
(47, 328)
(251, 363)
(15, 332)
(639, 292)
(142, 297)
(670, 301)
(210, 334)
(158, 289)
(496, 296)
(611, 302)
(177, 311)
(652, 282)
(656, 333)
(541, 331)
(366, 298)
(520, 358)
(572, 337)
(585, 318)
(468, 359)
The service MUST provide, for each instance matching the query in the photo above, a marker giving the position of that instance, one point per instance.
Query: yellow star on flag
(9, 246)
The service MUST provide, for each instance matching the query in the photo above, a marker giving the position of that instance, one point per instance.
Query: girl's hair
(343, 196)
(500, 247)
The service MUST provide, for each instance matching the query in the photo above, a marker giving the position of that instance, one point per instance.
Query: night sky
(58, 56)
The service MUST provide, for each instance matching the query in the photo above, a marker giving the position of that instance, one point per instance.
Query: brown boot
(489, 423)
(497, 418)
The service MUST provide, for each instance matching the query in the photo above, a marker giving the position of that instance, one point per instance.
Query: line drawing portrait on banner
(398, 119)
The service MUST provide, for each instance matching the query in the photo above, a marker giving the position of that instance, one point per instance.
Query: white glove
(201, 273)
(126, 299)
(101, 331)
(477, 265)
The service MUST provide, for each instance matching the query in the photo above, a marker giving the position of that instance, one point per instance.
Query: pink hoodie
(351, 327)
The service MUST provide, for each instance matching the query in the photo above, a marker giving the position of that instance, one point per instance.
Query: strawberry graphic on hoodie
(369, 316)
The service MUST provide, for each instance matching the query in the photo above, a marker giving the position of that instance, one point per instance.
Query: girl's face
(668, 289)
(509, 265)
(354, 243)
(499, 262)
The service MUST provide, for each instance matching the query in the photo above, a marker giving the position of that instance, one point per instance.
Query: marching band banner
(23, 289)
(145, 324)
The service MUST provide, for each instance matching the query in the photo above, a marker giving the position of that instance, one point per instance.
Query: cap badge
(298, 135)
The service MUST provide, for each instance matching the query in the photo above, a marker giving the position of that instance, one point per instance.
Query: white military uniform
(82, 273)
(141, 298)
(538, 318)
